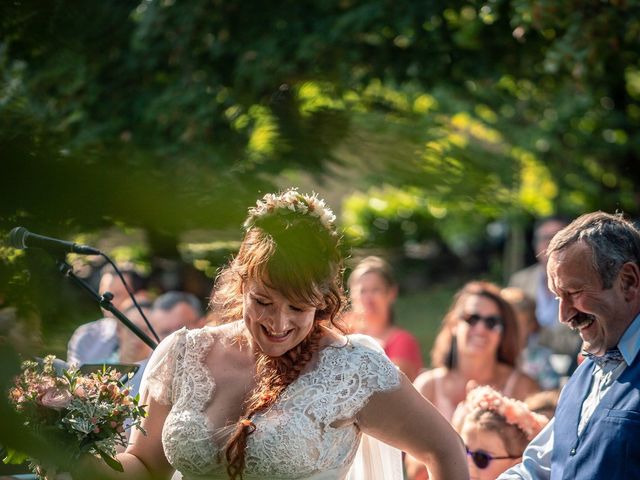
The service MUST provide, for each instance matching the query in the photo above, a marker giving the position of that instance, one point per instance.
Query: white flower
(292, 201)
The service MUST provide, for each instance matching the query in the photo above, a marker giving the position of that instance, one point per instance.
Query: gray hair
(170, 299)
(613, 240)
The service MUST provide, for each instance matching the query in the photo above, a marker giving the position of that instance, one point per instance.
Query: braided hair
(290, 245)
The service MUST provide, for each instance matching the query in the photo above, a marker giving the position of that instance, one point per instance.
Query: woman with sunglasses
(496, 430)
(478, 344)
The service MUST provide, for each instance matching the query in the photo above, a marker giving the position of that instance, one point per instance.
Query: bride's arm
(403, 418)
(145, 453)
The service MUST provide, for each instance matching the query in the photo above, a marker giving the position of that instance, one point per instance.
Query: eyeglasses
(482, 459)
(492, 322)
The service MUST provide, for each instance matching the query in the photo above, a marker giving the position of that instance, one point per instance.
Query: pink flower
(17, 395)
(80, 392)
(513, 411)
(41, 386)
(56, 398)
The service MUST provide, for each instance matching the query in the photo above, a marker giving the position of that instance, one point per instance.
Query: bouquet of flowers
(86, 413)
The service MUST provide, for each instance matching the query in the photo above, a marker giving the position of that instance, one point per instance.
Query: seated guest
(97, 341)
(496, 430)
(533, 281)
(478, 344)
(373, 291)
(535, 359)
(173, 310)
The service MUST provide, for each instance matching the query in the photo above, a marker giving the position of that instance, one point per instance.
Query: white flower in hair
(292, 201)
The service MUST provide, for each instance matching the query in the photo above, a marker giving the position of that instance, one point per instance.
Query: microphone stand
(105, 302)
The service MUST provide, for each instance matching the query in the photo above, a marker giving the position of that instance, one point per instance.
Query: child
(496, 429)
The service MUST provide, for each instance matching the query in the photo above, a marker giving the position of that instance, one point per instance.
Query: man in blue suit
(594, 270)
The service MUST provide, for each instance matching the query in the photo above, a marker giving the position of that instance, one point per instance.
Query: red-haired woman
(277, 391)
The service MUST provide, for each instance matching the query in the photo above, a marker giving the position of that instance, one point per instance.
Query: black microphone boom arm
(22, 238)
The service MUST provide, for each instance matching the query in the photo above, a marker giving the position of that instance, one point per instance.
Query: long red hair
(300, 257)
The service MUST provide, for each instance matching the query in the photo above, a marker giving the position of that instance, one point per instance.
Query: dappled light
(438, 132)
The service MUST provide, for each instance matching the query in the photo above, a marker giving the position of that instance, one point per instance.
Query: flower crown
(288, 202)
(515, 412)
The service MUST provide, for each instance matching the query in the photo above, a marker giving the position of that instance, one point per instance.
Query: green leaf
(14, 457)
(109, 460)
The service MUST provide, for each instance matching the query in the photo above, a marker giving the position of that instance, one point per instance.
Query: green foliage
(209, 257)
(232, 97)
(388, 217)
(171, 116)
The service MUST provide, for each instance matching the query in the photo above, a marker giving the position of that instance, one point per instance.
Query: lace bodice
(309, 433)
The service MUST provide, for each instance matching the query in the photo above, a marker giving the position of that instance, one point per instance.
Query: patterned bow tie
(611, 356)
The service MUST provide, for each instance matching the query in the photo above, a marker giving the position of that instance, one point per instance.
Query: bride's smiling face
(276, 324)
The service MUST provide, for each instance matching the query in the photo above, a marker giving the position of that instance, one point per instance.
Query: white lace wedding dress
(309, 433)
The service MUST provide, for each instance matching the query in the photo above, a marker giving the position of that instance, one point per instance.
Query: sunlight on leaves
(537, 189)
(314, 96)
(264, 134)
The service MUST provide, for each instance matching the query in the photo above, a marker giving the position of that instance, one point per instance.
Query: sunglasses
(482, 459)
(492, 322)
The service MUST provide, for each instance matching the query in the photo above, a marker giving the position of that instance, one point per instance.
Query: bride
(276, 390)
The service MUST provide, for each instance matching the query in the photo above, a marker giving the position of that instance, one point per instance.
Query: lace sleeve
(353, 374)
(374, 460)
(376, 371)
(159, 375)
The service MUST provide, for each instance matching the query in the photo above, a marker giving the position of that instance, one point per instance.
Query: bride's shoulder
(221, 333)
(360, 357)
(366, 342)
(353, 343)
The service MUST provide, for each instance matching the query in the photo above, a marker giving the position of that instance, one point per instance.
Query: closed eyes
(266, 303)
(559, 295)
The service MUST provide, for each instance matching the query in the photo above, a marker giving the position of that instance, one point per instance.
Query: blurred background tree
(446, 127)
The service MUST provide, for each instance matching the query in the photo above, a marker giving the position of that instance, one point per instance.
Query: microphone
(22, 238)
